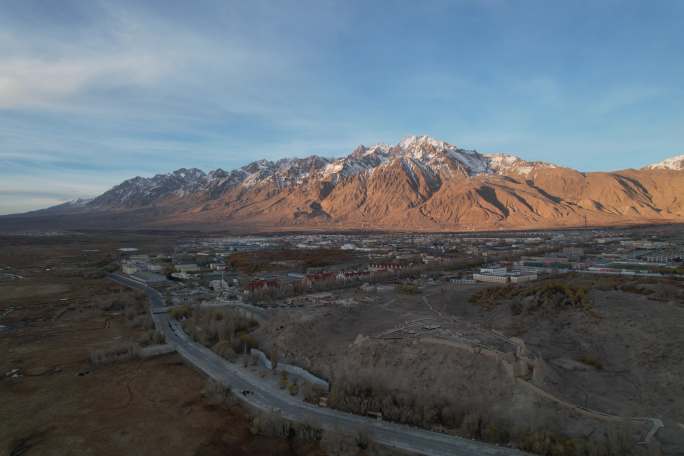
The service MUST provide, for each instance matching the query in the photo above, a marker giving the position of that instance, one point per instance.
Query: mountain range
(418, 184)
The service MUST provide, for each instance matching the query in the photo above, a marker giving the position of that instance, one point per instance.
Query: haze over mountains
(419, 184)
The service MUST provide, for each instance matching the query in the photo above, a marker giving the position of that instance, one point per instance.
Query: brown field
(62, 404)
(607, 344)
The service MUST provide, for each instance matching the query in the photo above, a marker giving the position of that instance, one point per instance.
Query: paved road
(266, 397)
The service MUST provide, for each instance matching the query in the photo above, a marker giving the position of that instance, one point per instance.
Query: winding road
(265, 397)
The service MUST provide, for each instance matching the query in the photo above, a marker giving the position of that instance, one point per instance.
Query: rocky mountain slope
(419, 184)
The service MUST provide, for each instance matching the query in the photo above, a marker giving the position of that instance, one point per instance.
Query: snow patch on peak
(505, 163)
(502, 159)
(675, 163)
(439, 154)
(79, 202)
(185, 173)
(379, 148)
(422, 140)
(426, 152)
(471, 160)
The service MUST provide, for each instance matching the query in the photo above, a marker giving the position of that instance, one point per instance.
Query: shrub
(120, 352)
(151, 337)
(472, 425)
(312, 393)
(635, 289)
(111, 304)
(133, 309)
(495, 434)
(591, 360)
(271, 425)
(216, 393)
(181, 312)
(362, 439)
(282, 383)
(159, 338)
(488, 297)
(551, 444)
(248, 341)
(408, 288)
(225, 350)
(210, 327)
(143, 321)
(293, 389)
(548, 295)
(338, 444)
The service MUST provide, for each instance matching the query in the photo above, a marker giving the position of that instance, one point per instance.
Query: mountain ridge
(418, 184)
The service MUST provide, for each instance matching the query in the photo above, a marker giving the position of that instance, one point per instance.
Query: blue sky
(93, 92)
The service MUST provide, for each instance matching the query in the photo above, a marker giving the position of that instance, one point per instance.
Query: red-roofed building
(260, 284)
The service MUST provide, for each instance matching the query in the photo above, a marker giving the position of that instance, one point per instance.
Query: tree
(273, 356)
(283, 382)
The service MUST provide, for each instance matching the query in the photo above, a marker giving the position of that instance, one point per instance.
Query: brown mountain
(419, 184)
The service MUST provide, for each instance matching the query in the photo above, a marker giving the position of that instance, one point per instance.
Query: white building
(218, 285)
(493, 270)
(663, 257)
(502, 275)
(491, 278)
(523, 278)
(181, 275)
(129, 268)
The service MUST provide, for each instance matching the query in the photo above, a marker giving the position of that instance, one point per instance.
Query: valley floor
(54, 401)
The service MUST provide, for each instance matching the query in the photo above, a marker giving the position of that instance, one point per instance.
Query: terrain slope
(419, 184)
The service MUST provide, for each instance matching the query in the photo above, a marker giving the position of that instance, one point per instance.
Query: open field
(55, 401)
(527, 362)
(570, 365)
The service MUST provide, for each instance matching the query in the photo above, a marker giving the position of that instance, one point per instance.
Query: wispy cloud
(94, 91)
(39, 83)
(627, 96)
(21, 192)
(17, 202)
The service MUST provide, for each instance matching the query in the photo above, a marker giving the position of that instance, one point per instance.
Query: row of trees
(476, 417)
(548, 295)
(225, 329)
(273, 294)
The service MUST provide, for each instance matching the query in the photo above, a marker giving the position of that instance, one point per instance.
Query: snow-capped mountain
(428, 153)
(419, 183)
(141, 191)
(675, 163)
(436, 160)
